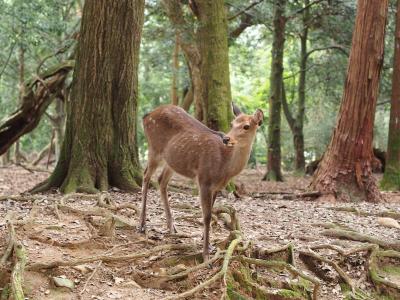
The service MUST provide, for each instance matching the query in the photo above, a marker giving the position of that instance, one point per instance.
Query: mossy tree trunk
(275, 95)
(175, 72)
(212, 38)
(206, 51)
(391, 177)
(345, 170)
(99, 148)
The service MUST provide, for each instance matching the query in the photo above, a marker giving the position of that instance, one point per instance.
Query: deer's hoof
(141, 229)
(211, 248)
(173, 229)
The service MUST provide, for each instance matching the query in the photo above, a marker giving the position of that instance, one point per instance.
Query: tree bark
(298, 136)
(391, 177)
(21, 58)
(275, 98)
(212, 39)
(39, 93)
(345, 170)
(99, 148)
(175, 72)
(208, 61)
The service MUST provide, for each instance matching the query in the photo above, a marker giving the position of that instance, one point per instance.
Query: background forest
(40, 34)
(310, 210)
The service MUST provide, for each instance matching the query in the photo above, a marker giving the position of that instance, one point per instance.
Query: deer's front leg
(206, 198)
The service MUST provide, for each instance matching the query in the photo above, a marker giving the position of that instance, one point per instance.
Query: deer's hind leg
(148, 172)
(163, 181)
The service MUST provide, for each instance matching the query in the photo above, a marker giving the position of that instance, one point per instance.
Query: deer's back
(185, 144)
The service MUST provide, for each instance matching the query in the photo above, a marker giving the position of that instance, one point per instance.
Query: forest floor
(88, 244)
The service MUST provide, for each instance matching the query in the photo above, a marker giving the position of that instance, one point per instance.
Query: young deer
(191, 149)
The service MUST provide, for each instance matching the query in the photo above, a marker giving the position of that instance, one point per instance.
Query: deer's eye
(245, 127)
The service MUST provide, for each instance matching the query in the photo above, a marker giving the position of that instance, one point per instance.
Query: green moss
(233, 294)
(391, 179)
(290, 294)
(393, 270)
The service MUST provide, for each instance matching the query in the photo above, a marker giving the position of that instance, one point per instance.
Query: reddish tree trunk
(345, 170)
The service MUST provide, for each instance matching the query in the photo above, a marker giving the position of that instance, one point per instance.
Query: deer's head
(244, 126)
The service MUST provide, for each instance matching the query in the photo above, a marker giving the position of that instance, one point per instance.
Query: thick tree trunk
(275, 98)
(345, 170)
(99, 148)
(212, 39)
(391, 177)
(208, 61)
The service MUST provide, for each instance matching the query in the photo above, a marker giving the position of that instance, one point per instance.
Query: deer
(191, 149)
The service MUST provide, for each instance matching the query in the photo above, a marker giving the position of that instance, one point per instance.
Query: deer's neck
(239, 157)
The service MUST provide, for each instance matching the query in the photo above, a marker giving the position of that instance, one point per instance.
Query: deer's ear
(236, 110)
(258, 116)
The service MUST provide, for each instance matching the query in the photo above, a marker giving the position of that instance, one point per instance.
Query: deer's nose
(226, 139)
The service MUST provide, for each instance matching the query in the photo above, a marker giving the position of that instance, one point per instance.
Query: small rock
(388, 222)
(63, 282)
(82, 268)
(47, 292)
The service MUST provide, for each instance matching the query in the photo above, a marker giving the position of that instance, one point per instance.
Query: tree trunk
(212, 39)
(274, 123)
(190, 50)
(58, 127)
(208, 61)
(188, 98)
(391, 177)
(21, 58)
(298, 136)
(175, 72)
(99, 147)
(40, 91)
(345, 170)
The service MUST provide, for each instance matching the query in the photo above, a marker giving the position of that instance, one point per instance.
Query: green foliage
(43, 26)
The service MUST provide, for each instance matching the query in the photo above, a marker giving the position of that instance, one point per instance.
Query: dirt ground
(64, 230)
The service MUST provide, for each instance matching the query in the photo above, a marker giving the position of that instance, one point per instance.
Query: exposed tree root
(333, 264)
(17, 275)
(16, 281)
(71, 245)
(386, 214)
(97, 211)
(382, 284)
(282, 265)
(107, 258)
(355, 236)
(33, 169)
(10, 245)
(220, 275)
(90, 277)
(5, 293)
(229, 217)
(342, 251)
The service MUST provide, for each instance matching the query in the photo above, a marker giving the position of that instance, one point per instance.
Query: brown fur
(193, 150)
